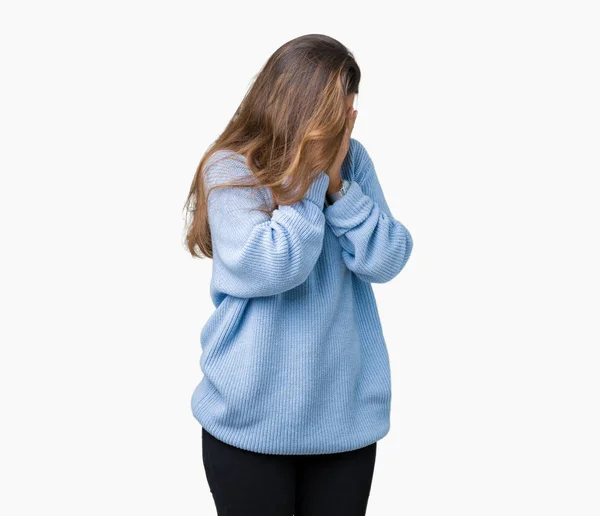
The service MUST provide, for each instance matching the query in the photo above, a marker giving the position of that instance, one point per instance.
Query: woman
(296, 389)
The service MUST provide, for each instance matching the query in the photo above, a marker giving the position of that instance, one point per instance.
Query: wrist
(335, 185)
(331, 197)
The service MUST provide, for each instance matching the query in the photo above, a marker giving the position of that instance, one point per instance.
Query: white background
(483, 121)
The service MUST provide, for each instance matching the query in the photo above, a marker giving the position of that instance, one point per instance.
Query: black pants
(246, 483)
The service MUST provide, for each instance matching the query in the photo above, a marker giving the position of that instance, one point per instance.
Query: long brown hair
(288, 127)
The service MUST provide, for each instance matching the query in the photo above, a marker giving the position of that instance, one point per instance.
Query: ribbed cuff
(317, 190)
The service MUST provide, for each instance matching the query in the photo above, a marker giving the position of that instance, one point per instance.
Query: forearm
(275, 254)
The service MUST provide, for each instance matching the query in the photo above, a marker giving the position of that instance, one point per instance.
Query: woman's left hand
(334, 172)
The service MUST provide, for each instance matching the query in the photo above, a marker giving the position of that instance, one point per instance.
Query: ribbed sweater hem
(246, 442)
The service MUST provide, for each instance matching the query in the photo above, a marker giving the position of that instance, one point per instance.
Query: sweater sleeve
(375, 246)
(257, 255)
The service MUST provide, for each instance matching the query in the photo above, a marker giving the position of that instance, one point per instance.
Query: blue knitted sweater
(293, 357)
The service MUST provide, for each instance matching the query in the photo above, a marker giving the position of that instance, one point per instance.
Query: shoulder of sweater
(225, 166)
(360, 161)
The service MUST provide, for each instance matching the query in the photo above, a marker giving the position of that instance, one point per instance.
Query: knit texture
(293, 358)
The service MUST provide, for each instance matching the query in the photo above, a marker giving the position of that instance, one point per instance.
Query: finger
(352, 120)
(348, 125)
